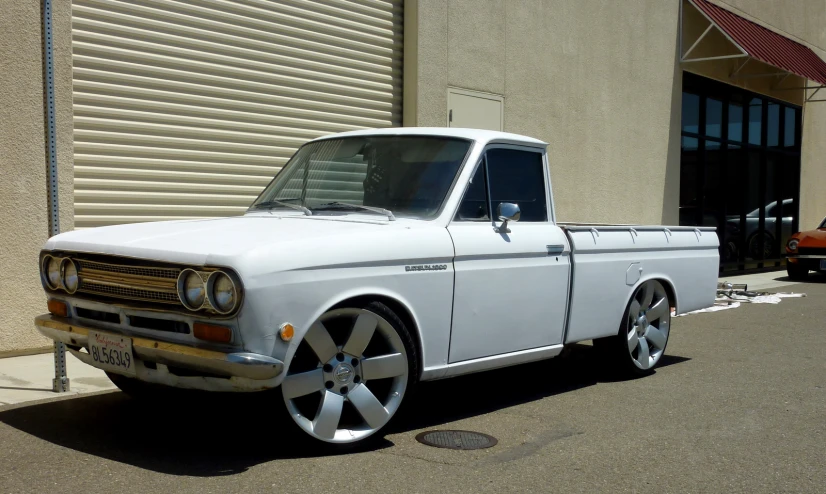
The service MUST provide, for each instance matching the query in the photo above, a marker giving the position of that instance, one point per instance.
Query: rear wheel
(797, 272)
(350, 374)
(640, 343)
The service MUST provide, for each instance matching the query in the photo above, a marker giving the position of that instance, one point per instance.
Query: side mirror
(507, 211)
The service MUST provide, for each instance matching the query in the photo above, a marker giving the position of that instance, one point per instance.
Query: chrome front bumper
(243, 371)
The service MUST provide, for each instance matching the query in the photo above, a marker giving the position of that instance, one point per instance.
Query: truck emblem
(426, 267)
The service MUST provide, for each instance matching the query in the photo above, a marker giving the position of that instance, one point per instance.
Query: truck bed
(610, 261)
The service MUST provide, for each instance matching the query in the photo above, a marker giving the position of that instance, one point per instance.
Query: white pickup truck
(374, 260)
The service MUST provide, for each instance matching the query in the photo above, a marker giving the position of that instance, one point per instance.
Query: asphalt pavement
(739, 405)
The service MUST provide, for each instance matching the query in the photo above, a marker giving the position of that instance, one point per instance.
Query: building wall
(601, 83)
(23, 189)
(594, 79)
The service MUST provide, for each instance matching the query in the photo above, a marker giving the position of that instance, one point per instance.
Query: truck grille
(129, 282)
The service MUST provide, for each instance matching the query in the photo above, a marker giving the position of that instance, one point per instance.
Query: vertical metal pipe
(60, 383)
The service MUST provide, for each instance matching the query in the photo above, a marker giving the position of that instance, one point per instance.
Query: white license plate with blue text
(112, 352)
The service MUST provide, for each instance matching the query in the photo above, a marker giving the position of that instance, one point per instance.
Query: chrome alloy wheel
(649, 314)
(350, 378)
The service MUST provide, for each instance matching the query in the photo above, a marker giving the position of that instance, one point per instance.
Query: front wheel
(643, 335)
(350, 374)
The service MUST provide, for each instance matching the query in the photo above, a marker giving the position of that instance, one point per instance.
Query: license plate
(823, 264)
(111, 352)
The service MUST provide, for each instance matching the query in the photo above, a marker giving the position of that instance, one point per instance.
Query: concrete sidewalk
(29, 378)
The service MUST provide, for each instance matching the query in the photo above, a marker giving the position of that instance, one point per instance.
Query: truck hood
(216, 241)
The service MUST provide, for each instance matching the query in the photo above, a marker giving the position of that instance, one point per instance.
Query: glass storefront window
(773, 125)
(789, 126)
(740, 170)
(691, 113)
(735, 122)
(755, 120)
(714, 118)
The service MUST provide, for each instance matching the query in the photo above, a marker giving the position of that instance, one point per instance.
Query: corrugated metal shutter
(187, 109)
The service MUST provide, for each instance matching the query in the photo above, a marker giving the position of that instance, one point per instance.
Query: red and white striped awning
(759, 43)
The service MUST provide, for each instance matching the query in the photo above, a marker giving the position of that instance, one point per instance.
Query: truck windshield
(407, 175)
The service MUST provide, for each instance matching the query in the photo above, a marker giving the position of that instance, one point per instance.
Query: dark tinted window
(518, 177)
(475, 201)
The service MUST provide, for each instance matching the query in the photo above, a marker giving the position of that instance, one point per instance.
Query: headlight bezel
(64, 264)
(214, 277)
(182, 288)
(793, 248)
(44, 271)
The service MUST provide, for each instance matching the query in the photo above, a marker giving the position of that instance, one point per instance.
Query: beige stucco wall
(23, 200)
(601, 83)
(594, 79)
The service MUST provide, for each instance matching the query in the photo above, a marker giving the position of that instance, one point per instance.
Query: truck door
(511, 288)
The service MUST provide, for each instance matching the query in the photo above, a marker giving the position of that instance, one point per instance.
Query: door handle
(555, 250)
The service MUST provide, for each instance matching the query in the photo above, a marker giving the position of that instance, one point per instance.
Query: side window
(474, 205)
(518, 177)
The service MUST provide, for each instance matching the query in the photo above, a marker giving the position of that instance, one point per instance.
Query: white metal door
(187, 109)
(511, 288)
(510, 293)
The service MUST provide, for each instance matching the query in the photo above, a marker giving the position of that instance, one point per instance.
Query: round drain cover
(456, 439)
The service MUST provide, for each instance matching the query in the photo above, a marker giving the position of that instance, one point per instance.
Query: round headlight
(51, 272)
(69, 278)
(191, 289)
(222, 292)
(792, 245)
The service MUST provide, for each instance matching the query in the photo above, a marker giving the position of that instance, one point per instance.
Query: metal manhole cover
(456, 439)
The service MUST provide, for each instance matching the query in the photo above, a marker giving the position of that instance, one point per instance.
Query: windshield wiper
(273, 203)
(346, 205)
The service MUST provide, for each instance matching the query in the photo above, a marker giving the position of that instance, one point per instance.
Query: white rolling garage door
(187, 109)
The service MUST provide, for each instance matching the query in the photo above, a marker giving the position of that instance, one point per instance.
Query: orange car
(806, 251)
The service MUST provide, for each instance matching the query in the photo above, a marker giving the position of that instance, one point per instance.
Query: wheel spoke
(647, 295)
(643, 356)
(320, 341)
(633, 340)
(360, 336)
(656, 337)
(368, 406)
(391, 365)
(302, 384)
(634, 310)
(329, 413)
(657, 310)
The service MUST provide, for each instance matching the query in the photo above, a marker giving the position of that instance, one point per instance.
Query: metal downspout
(60, 383)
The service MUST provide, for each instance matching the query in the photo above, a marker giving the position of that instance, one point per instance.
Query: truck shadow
(225, 435)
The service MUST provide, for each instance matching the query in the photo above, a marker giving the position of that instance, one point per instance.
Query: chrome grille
(129, 282)
(130, 293)
(135, 270)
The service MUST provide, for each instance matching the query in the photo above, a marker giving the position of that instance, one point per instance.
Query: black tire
(614, 350)
(797, 272)
(384, 312)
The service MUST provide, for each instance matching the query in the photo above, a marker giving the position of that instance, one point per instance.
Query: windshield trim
(448, 194)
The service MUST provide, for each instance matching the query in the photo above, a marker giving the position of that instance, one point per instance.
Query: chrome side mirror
(507, 211)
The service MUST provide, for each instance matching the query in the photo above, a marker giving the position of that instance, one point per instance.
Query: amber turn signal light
(58, 308)
(210, 332)
(287, 331)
